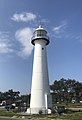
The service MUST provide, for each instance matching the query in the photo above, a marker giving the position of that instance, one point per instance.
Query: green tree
(66, 90)
(10, 96)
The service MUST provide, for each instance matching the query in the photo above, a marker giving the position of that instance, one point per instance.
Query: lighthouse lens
(40, 33)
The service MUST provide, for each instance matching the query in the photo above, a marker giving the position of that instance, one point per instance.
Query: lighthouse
(40, 90)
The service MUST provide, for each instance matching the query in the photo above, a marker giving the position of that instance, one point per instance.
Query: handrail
(35, 37)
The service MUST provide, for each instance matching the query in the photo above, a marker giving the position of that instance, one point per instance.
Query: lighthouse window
(40, 33)
(42, 48)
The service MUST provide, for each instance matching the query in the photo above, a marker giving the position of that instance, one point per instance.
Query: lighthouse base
(38, 110)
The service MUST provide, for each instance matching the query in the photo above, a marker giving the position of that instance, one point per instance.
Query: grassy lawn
(6, 113)
(69, 116)
(71, 105)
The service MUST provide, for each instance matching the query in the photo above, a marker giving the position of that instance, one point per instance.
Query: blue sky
(18, 19)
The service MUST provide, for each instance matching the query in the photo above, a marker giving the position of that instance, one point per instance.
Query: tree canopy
(12, 96)
(66, 90)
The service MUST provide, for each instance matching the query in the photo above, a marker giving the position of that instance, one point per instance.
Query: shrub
(53, 111)
(40, 112)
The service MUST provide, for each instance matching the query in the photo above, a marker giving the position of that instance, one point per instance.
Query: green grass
(71, 105)
(73, 116)
(69, 116)
(8, 113)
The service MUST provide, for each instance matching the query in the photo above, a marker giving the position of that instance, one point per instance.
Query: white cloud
(79, 37)
(62, 26)
(5, 48)
(24, 37)
(5, 45)
(60, 30)
(24, 17)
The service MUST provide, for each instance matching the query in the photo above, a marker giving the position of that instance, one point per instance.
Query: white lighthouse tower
(40, 91)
